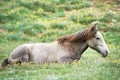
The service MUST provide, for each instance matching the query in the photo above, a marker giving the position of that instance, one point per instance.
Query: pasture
(31, 21)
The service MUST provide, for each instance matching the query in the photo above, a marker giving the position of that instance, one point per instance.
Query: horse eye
(97, 38)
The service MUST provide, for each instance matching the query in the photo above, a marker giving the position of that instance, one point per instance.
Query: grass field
(30, 21)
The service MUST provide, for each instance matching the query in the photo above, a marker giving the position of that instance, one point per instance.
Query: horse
(65, 49)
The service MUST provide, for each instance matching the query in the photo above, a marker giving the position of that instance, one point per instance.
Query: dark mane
(81, 36)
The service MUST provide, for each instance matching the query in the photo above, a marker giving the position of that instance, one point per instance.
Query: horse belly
(38, 57)
(43, 54)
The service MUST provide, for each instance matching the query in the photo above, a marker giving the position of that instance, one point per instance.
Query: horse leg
(21, 59)
(20, 55)
(25, 58)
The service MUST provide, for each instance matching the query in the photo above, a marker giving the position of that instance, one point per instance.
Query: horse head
(96, 41)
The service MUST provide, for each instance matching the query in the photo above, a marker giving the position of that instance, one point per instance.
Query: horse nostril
(106, 52)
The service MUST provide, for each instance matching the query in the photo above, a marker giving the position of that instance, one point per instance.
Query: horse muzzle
(105, 54)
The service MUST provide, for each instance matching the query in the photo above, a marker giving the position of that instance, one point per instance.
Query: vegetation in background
(30, 21)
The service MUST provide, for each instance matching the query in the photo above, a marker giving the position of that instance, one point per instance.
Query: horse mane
(79, 36)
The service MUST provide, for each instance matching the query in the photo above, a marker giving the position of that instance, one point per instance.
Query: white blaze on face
(98, 43)
(101, 43)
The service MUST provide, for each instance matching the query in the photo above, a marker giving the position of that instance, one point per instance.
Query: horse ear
(94, 28)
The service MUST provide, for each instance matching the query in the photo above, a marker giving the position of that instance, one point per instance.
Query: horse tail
(5, 63)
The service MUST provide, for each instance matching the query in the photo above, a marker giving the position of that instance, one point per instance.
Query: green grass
(25, 21)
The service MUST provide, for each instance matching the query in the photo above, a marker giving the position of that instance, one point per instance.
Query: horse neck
(79, 47)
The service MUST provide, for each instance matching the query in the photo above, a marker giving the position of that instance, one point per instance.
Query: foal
(64, 49)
